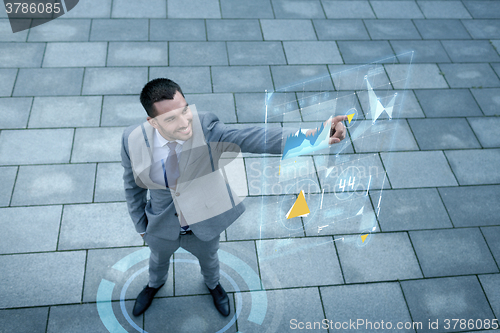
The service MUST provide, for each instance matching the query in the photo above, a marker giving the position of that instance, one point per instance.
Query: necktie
(171, 166)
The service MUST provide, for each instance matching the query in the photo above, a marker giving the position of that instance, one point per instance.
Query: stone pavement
(69, 87)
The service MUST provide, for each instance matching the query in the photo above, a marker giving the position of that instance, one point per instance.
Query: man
(176, 155)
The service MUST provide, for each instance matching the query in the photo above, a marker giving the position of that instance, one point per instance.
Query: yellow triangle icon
(363, 237)
(350, 116)
(299, 208)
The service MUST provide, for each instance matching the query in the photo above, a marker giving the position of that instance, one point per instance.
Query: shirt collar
(160, 141)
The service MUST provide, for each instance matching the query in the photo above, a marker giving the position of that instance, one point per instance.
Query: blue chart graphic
(376, 107)
(300, 144)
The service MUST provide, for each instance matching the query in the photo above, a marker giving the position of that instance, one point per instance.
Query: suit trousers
(162, 250)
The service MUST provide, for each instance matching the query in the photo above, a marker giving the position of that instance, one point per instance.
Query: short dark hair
(158, 90)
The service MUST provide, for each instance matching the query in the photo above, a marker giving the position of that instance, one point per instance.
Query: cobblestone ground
(69, 87)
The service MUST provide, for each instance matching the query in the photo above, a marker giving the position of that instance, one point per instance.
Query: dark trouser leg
(206, 252)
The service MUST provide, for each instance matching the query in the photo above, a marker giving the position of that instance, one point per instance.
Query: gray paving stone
(341, 302)
(52, 278)
(85, 9)
(122, 111)
(297, 9)
(485, 130)
(470, 51)
(475, 166)
(96, 226)
(424, 51)
(81, 318)
(241, 79)
(263, 219)
(30, 229)
(197, 53)
(396, 9)
(109, 183)
(445, 298)
(340, 29)
(288, 30)
(443, 9)
(233, 30)
(76, 30)
(490, 285)
(8, 77)
(190, 79)
(35, 146)
(75, 54)
(7, 178)
(332, 216)
(451, 133)
(364, 52)
(423, 76)
(189, 280)
(101, 144)
(100, 266)
(406, 106)
(472, 205)
(48, 81)
(418, 169)
(256, 53)
(317, 107)
(348, 9)
(24, 320)
(483, 29)
(251, 107)
(246, 9)
(54, 184)
(415, 209)
(301, 78)
(488, 100)
(110, 81)
(351, 77)
(384, 135)
(388, 257)
(298, 262)
(441, 252)
(491, 235)
(483, 9)
(72, 111)
(441, 29)
(15, 112)
(220, 104)
(496, 68)
(202, 313)
(305, 53)
(448, 103)
(139, 9)
(391, 29)
(119, 30)
(6, 34)
(303, 305)
(177, 30)
(137, 54)
(193, 9)
(367, 164)
(21, 54)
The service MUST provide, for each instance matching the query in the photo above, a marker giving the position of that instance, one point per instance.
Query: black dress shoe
(221, 300)
(144, 299)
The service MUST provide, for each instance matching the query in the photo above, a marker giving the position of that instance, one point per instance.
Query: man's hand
(337, 132)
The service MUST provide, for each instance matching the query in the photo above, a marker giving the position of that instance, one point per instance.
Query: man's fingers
(339, 131)
(338, 119)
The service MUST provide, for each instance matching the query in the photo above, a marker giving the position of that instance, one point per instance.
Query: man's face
(174, 118)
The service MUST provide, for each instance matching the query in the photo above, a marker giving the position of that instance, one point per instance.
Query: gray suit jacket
(202, 193)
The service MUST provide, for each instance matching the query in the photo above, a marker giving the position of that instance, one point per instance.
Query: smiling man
(176, 156)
